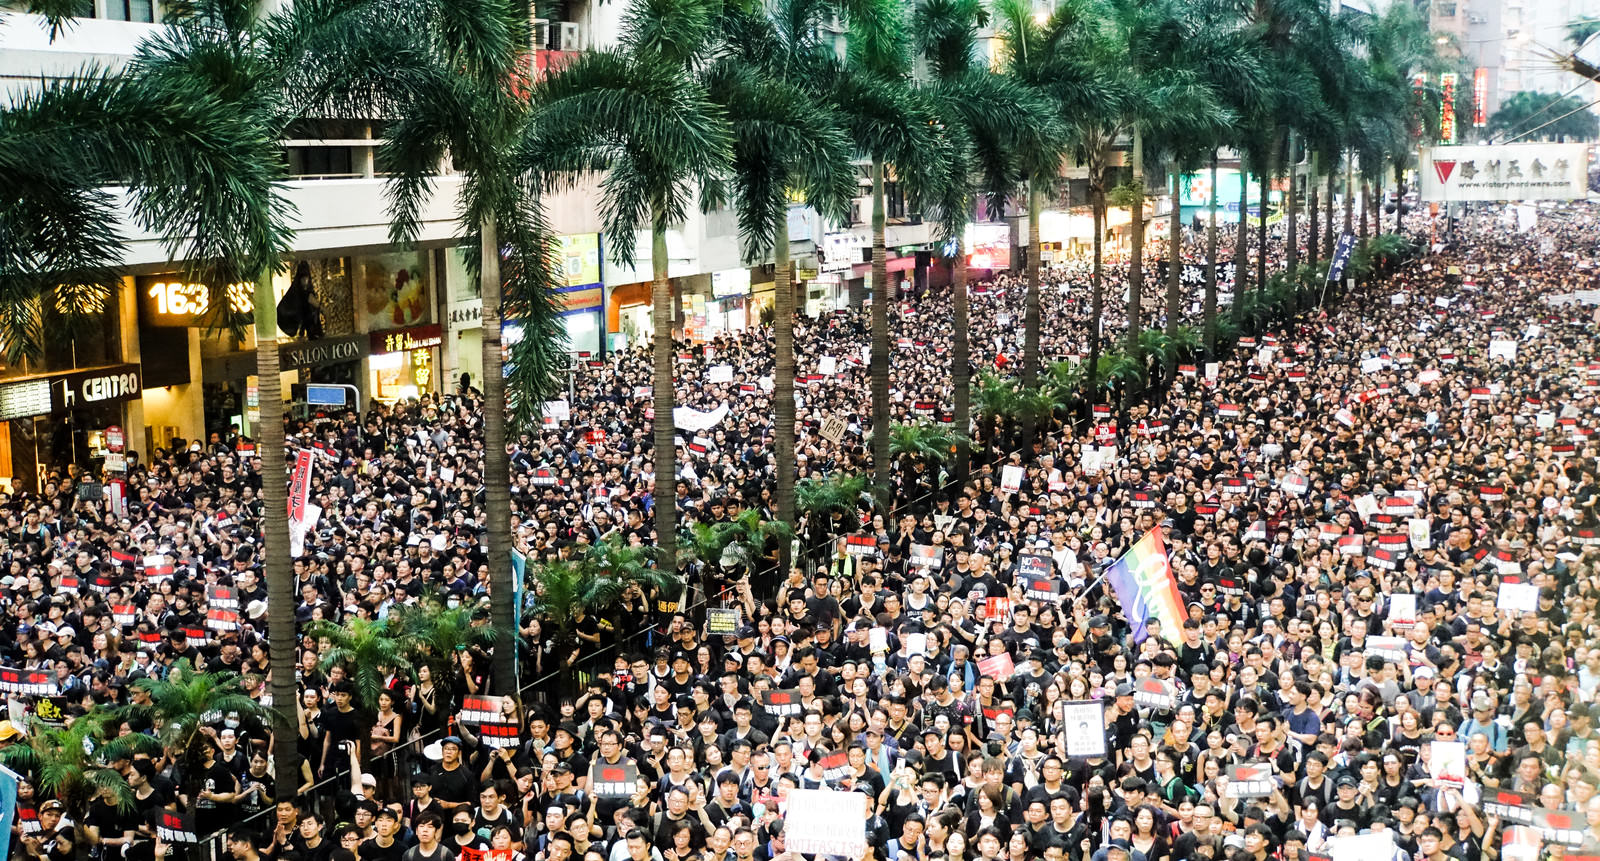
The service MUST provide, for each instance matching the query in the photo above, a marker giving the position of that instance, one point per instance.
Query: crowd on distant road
(1344, 504)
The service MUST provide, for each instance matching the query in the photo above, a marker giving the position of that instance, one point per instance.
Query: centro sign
(97, 386)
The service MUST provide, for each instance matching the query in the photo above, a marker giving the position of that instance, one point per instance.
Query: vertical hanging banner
(1142, 579)
(1447, 108)
(299, 499)
(1419, 98)
(1480, 97)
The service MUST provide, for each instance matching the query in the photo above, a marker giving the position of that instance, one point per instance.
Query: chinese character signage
(1447, 108)
(1532, 171)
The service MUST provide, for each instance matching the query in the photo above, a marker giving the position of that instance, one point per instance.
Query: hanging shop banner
(1480, 97)
(1524, 171)
(1447, 108)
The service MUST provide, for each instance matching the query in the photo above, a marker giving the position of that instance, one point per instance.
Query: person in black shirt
(455, 786)
(385, 844)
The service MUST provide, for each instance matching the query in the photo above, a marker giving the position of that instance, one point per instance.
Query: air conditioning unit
(541, 34)
(571, 37)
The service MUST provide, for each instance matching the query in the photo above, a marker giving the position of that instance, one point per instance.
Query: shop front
(232, 401)
(582, 294)
(404, 363)
(56, 423)
(728, 309)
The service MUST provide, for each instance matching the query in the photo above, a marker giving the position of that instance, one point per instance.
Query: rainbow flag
(1143, 582)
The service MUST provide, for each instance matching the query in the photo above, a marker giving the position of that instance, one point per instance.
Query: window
(141, 11)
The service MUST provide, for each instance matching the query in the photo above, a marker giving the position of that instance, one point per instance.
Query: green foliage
(1118, 367)
(367, 649)
(187, 698)
(928, 443)
(429, 633)
(1568, 117)
(592, 582)
(739, 544)
(826, 496)
(68, 764)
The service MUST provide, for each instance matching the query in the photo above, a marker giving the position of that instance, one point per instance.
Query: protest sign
(1402, 610)
(1151, 692)
(722, 620)
(1387, 648)
(609, 780)
(719, 374)
(781, 703)
(1011, 478)
(826, 822)
(926, 556)
(1251, 780)
(1447, 762)
(998, 667)
(1083, 727)
(833, 428)
(1518, 598)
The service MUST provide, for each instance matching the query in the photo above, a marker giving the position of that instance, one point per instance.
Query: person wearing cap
(1481, 720)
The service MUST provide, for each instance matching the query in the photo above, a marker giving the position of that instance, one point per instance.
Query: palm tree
(1001, 132)
(740, 545)
(176, 149)
(823, 500)
(921, 448)
(68, 765)
(182, 703)
(461, 96)
(429, 633)
(892, 125)
(367, 649)
(640, 113)
(1078, 62)
(590, 584)
(228, 220)
(784, 139)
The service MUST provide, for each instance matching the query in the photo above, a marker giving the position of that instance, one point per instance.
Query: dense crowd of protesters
(1384, 416)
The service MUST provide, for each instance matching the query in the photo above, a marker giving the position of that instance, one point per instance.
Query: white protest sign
(1518, 598)
(1447, 762)
(827, 366)
(1011, 478)
(1373, 365)
(1402, 609)
(826, 822)
(719, 374)
(1083, 727)
(1505, 349)
(1417, 530)
(557, 411)
(1361, 847)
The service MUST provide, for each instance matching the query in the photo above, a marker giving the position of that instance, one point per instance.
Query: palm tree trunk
(1174, 271)
(277, 567)
(1292, 246)
(961, 361)
(1097, 297)
(1032, 314)
(783, 387)
(1211, 266)
(881, 488)
(1241, 247)
(1366, 200)
(497, 470)
(1377, 203)
(1136, 256)
(1349, 192)
(1264, 180)
(1327, 236)
(1312, 235)
(665, 497)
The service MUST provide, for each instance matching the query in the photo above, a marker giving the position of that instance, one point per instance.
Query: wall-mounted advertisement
(1195, 188)
(988, 246)
(393, 290)
(1532, 171)
(580, 258)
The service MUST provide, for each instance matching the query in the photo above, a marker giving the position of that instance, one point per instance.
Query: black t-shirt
(456, 786)
(371, 851)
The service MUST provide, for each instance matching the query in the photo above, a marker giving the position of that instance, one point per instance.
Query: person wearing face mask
(463, 842)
